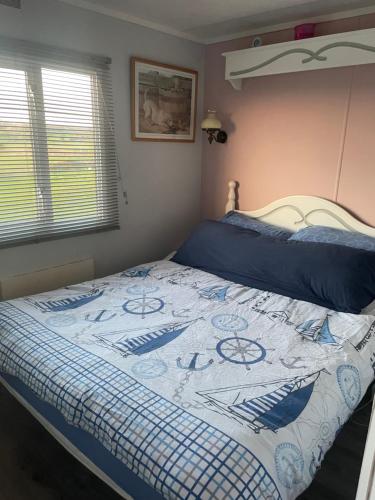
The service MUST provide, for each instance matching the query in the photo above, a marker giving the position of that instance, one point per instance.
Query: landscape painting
(164, 102)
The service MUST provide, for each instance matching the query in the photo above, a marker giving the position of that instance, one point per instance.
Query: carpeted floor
(33, 466)
(338, 477)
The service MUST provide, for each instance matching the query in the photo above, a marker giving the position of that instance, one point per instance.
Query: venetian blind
(58, 168)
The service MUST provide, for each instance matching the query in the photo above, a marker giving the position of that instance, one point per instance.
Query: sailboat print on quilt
(145, 343)
(216, 292)
(314, 330)
(136, 272)
(67, 303)
(274, 409)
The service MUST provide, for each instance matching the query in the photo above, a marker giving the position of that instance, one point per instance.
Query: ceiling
(212, 20)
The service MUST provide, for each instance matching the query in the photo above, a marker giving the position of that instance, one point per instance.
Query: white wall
(163, 180)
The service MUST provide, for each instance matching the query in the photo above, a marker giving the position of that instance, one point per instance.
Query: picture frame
(164, 101)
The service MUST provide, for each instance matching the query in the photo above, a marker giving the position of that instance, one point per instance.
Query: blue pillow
(323, 234)
(261, 227)
(332, 276)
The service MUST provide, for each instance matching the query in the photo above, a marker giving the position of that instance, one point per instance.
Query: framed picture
(164, 102)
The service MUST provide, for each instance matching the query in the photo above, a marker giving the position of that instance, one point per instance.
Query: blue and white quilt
(202, 387)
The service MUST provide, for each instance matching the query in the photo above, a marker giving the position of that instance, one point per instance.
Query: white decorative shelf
(331, 51)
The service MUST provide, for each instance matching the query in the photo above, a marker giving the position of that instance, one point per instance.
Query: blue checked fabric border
(175, 452)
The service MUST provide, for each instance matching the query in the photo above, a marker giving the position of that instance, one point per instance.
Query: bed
(169, 382)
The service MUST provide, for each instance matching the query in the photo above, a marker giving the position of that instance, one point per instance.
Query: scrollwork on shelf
(313, 55)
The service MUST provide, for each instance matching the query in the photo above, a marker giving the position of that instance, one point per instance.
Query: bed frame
(293, 212)
(297, 212)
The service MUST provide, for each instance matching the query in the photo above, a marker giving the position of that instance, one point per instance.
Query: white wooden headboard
(296, 212)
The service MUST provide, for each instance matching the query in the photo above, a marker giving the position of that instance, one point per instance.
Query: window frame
(103, 144)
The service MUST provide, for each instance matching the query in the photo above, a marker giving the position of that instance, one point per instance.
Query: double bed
(171, 382)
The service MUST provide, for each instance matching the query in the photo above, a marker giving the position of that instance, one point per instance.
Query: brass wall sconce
(212, 125)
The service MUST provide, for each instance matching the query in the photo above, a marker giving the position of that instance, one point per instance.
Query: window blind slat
(58, 163)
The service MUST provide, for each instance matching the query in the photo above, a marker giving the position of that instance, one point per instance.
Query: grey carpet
(33, 466)
(338, 477)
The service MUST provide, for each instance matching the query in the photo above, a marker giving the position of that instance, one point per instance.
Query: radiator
(46, 279)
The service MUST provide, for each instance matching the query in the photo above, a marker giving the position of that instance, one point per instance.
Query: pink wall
(303, 133)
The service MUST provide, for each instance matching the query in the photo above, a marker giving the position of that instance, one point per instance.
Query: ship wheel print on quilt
(236, 349)
(144, 304)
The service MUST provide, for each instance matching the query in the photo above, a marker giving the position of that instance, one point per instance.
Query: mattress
(178, 384)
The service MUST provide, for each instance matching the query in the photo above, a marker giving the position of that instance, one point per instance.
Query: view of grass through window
(18, 190)
(46, 181)
(71, 143)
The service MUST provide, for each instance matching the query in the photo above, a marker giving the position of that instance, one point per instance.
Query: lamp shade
(211, 121)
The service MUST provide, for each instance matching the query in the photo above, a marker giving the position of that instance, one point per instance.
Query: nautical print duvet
(204, 388)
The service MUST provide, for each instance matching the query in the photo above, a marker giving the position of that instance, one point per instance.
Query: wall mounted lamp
(212, 125)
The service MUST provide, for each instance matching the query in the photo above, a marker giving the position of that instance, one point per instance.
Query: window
(58, 168)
